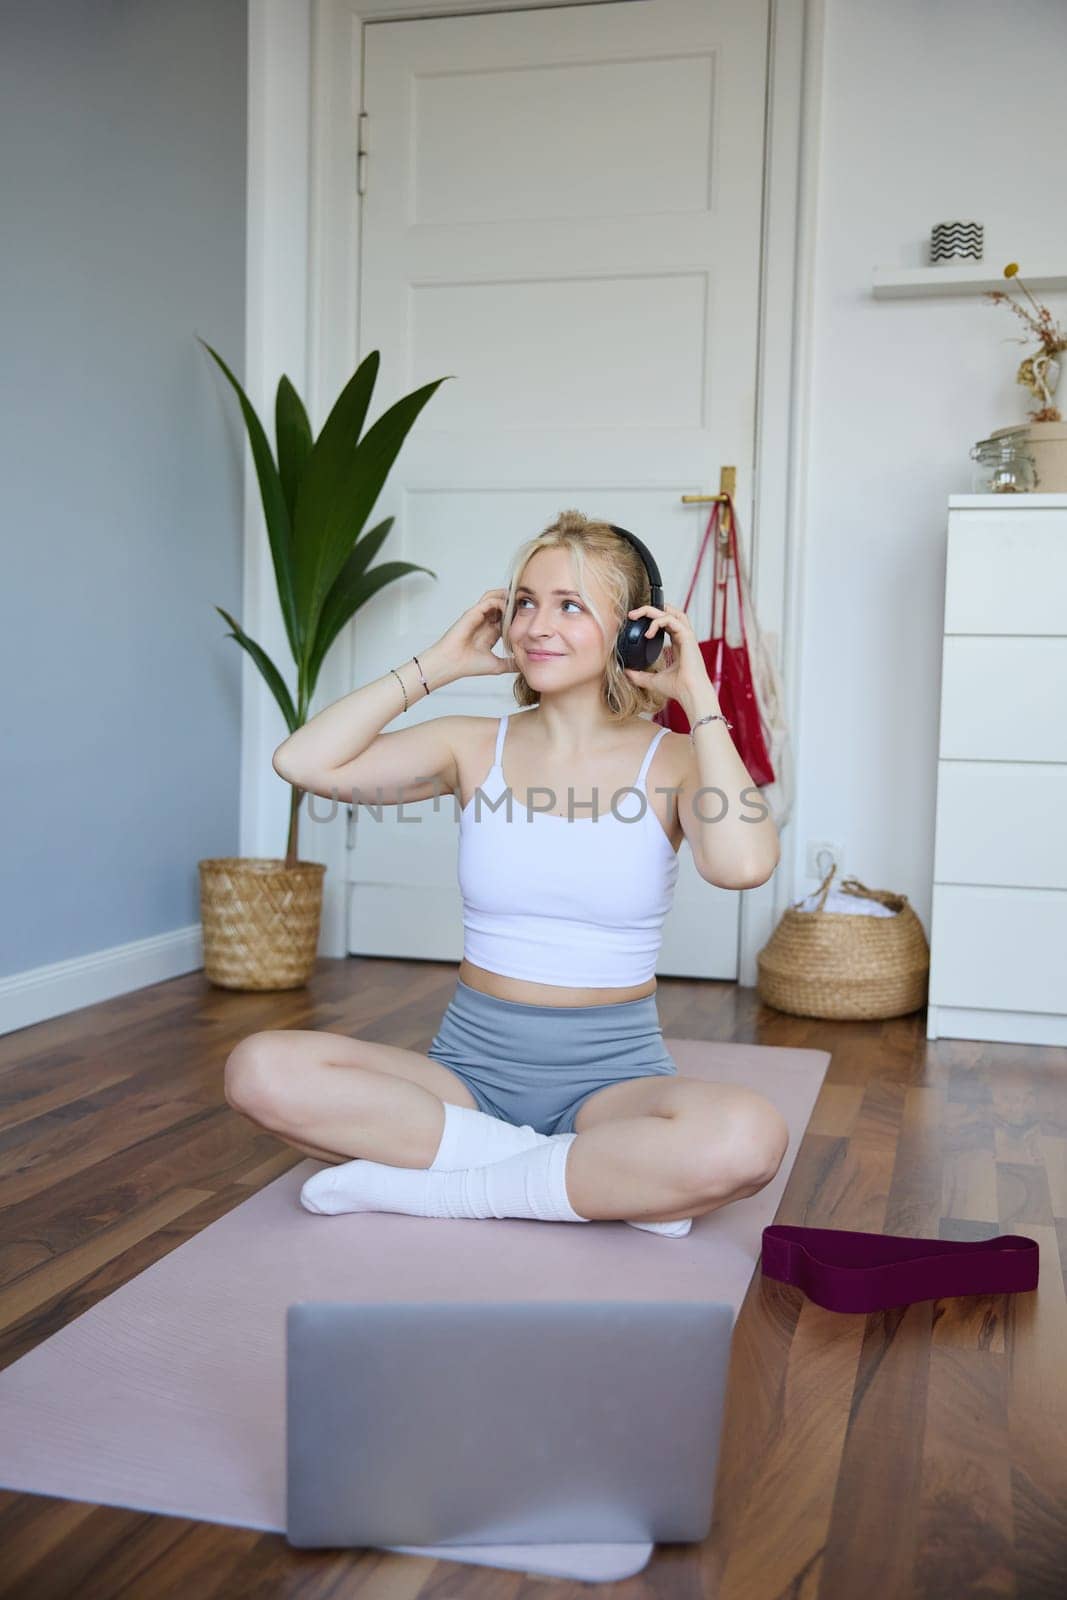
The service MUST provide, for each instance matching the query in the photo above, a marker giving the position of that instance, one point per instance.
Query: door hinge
(361, 156)
(350, 828)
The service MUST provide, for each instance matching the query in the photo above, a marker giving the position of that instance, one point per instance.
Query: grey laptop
(533, 1422)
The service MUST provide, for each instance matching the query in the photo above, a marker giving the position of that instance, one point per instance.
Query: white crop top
(576, 903)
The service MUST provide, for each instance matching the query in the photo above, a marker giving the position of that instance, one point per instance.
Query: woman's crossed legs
(656, 1149)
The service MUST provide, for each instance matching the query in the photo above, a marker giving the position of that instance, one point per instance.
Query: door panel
(562, 209)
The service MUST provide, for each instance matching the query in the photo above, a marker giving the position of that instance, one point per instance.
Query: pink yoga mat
(169, 1395)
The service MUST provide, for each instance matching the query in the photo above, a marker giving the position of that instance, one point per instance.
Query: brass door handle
(727, 486)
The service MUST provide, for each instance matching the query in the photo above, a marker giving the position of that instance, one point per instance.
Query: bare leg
(689, 1211)
(623, 1174)
(310, 1150)
(636, 1168)
(365, 1114)
(315, 1092)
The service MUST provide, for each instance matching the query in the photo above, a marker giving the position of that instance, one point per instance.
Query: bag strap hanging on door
(762, 740)
(728, 666)
(725, 550)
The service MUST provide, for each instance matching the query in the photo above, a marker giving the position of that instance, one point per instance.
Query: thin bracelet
(400, 680)
(716, 716)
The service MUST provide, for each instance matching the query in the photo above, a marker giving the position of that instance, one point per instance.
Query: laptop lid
(529, 1422)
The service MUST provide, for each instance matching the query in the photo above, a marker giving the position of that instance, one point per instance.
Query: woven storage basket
(830, 964)
(260, 921)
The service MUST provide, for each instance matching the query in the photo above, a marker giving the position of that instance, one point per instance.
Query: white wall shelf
(894, 283)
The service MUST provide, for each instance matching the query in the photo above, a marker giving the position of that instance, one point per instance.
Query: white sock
(673, 1230)
(475, 1139)
(529, 1184)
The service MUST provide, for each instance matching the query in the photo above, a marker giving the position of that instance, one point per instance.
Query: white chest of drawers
(998, 925)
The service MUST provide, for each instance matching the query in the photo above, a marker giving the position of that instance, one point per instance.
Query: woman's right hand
(468, 644)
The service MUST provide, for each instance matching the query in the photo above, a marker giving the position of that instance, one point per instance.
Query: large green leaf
(350, 589)
(367, 547)
(293, 433)
(338, 606)
(268, 669)
(275, 510)
(360, 592)
(326, 463)
(322, 547)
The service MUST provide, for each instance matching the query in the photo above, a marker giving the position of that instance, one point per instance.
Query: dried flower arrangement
(1034, 371)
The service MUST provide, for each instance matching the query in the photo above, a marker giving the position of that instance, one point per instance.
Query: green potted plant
(260, 916)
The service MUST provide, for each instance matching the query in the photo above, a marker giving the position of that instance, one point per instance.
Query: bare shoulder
(471, 736)
(677, 756)
(468, 733)
(666, 778)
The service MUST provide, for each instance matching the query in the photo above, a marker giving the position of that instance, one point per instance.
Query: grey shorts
(536, 1064)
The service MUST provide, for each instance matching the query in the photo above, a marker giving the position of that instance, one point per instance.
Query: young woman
(547, 1091)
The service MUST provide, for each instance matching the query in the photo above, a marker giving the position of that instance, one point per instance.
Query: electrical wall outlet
(821, 853)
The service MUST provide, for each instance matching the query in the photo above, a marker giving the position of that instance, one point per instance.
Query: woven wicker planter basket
(830, 964)
(260, 921)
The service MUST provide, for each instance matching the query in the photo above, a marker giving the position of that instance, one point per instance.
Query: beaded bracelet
(716, 716)
(400, 680)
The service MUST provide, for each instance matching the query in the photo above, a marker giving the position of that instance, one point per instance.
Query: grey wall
(122, 208)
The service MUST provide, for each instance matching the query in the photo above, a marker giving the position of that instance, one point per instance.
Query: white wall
(930, 110)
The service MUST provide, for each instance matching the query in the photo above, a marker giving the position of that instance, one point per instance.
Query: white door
(561, 207)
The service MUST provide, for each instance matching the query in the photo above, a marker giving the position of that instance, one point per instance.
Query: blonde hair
(617, 565)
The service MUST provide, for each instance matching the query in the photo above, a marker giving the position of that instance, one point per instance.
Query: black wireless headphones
(632, 648)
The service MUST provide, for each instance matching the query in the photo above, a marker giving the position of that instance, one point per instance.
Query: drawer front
(1001, 823)
(1006, 572)
(999, 949)
(1003, 699)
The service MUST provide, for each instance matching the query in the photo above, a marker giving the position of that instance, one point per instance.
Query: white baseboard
(44, 992)
(998, 1027)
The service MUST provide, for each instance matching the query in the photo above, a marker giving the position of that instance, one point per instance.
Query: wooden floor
(914, 1452)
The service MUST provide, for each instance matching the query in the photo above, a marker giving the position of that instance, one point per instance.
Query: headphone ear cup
(653, 648)
(634, 649)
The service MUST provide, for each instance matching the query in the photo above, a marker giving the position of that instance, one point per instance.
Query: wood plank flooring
(920, 1452)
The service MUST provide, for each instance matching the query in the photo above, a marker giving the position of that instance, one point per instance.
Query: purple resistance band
(845, 1271)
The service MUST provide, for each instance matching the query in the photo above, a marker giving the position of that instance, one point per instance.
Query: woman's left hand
(685, 678)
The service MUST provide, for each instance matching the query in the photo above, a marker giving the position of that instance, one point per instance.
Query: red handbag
(727, 665)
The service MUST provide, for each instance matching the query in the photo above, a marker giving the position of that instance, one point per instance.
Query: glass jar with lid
(1004, 464)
